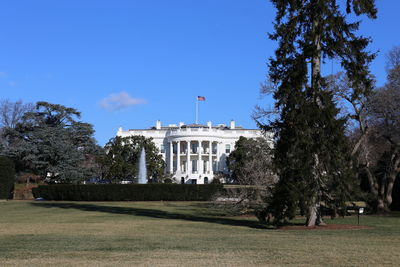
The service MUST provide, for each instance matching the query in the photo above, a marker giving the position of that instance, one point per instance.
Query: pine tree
(311, 153)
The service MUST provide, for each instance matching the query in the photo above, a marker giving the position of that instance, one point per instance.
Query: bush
(7, 178)
(130, 192)
(215, 181)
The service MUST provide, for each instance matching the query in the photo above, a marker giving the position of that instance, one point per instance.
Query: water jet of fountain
(142, 168)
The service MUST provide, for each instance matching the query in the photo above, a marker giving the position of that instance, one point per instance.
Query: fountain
(142, 168)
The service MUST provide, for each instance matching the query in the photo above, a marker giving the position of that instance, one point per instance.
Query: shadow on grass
(152, 213)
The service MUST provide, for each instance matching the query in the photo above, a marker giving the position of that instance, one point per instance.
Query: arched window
(182, 180)
(205, 180)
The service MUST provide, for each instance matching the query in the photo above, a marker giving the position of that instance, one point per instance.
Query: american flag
(201, 98)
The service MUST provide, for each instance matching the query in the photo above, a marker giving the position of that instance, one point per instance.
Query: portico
(192, 159)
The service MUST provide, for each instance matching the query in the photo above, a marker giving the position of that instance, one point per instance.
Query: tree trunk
(394, 171)
(314, 217)
(382, 204)
(381, 207)
(389, 189)
(316, 64)
(313, 213)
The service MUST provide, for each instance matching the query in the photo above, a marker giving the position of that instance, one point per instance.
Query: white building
(209, 146)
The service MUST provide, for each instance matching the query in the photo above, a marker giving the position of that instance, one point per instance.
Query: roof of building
(192, 125)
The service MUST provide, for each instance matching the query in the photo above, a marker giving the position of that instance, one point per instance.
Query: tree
(52, 143)
(251, 166)
(122, 155)
(251, 162)
(384, 117)
(312, 154)
(11, 113)
(375, 131)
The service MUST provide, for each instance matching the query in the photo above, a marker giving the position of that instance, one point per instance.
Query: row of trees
(50, 141)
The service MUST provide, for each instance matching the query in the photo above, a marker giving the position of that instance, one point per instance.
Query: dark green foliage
(132, 192)
(312, 131)
(121, 160)
(215, 181)
(312, 154)
(50, 142)
(7, 178)
(168, 181)
(236, 159)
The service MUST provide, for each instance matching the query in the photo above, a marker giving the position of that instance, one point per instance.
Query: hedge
(7, 178)
(129, 192)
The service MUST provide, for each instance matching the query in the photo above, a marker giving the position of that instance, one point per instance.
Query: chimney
(158, 124)
(209, 124)
(232, 124)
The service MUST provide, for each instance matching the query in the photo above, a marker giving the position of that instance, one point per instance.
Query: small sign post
(360, 211)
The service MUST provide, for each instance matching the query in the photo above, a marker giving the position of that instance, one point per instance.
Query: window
(227, 148)
(214, 148)
(162, 148)
(182, 180)
(174, 148)
(205, 180)
(194, 147)
(194, 166)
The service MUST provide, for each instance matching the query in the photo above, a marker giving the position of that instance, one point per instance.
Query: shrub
(7, 178)
(215, 181)
(130, 192)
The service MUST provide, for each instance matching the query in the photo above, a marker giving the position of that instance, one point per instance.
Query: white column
(199, 165)
(171, 158)
(178, 157)
(188, 162)
(210, 157)
(218, 155)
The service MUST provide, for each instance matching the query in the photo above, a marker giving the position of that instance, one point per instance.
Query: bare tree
(385, 116)
(374, 117)
(393, 59)
(10, 114)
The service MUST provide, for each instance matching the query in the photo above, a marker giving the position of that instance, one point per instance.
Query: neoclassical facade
(194, 153)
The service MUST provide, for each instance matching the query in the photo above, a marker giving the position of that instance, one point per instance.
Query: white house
(194, 153)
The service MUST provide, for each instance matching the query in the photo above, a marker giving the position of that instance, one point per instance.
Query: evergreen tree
(311, 153)
(50, 142)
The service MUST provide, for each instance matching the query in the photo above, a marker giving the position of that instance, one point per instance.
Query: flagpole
(197, 110)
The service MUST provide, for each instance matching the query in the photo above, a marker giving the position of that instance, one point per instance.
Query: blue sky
(129, 63)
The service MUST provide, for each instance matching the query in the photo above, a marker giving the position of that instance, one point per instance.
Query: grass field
(179, 234)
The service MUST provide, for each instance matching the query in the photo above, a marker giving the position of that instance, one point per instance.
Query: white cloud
(12, 83)
(120, 101)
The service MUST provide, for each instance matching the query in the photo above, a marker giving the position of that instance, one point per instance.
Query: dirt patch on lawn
(325, 227)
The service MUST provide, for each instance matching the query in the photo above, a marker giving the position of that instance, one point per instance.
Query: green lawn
(179, 233)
